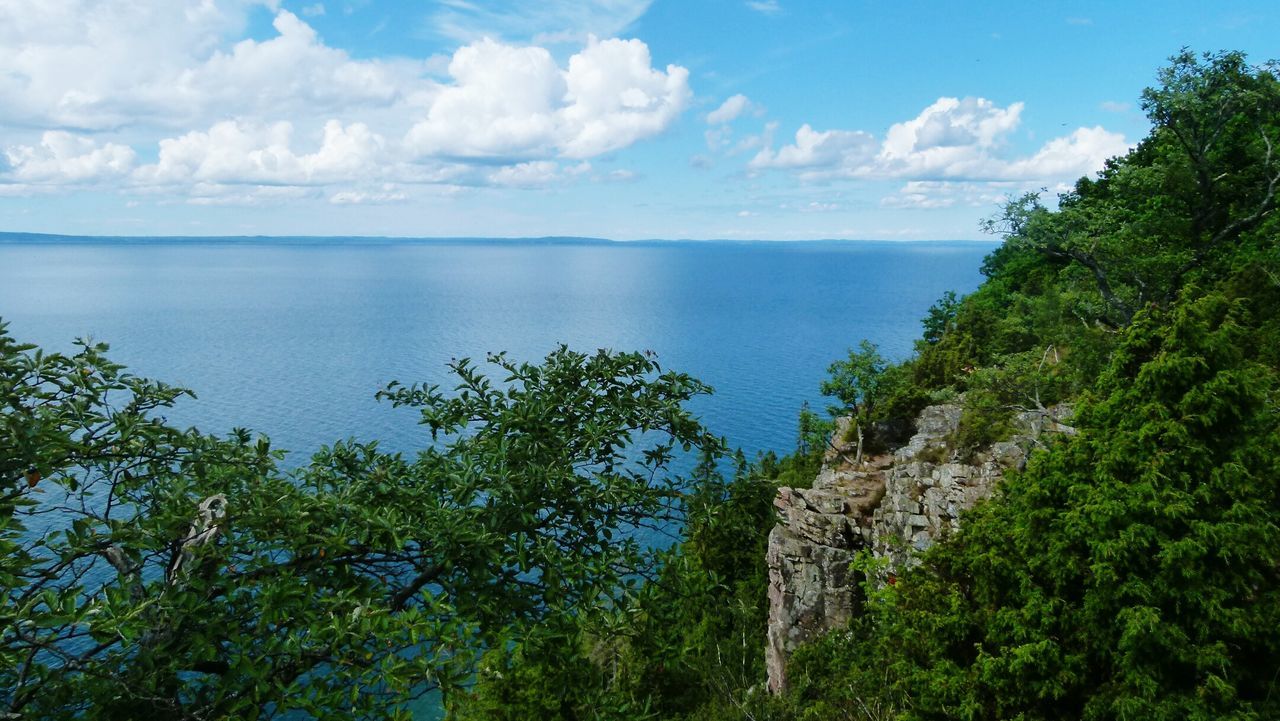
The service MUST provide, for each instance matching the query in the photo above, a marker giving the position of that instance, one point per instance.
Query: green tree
(1203, 181)
(940, 318)
(856, 383)
(687, 643)
(147, 571)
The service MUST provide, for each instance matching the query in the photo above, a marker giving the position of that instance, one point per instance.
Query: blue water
(293, 338)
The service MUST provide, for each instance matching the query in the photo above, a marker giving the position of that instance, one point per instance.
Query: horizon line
(34, 237)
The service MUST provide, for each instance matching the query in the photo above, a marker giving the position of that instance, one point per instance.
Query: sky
(622, 119)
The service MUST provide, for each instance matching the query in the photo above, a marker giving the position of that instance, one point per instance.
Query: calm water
(293, 339)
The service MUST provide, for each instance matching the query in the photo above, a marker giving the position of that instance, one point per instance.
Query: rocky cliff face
(894, 505)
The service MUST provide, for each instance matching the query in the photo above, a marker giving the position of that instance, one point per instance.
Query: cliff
(895, 505)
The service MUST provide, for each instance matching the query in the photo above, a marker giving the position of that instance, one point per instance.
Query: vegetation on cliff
(1132, 571)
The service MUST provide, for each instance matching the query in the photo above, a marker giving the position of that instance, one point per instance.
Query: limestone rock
(896, 505)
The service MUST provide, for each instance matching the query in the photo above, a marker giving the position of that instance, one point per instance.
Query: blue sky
(752, 119)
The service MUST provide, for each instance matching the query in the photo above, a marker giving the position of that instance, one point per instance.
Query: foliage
(797, 469)
(879, 396)
(855, 381)
(1132, 571)
(689, 642)
(1175, 208)
(148, 571)
(940, 318)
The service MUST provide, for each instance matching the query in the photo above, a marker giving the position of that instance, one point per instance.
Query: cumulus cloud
(295, 70)
(508, 102)
(535, 174)
(104, 64)
(235, 152)
(65, 63)
(814, 149)
(1082, 152)
(952, 139)
(720, 134)
(64, 158)
(230, 120)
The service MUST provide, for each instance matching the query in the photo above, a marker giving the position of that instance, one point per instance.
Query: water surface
(292, 338)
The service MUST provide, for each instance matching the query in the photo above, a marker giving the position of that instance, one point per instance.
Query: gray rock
(896, 507)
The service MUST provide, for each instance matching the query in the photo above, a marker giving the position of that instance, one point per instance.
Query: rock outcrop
(895, 505)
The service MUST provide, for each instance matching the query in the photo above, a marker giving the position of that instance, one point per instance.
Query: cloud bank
(952, 139)
(289, 110)
(516, 102)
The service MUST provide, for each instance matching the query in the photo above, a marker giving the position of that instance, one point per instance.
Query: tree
(687, 644)
(940, 318)
(1224, 117)
(147, 571)
(1172, 209)
(855, 382)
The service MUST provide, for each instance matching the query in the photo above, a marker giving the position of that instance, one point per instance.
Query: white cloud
(533, 174)
(717, 137)
(1082, 152)
(232, 119)
(295, 72)
(100, 65)
(545, 21)
(63, 158)
(517, 103)
(814, 149)
(234, 152)
(730, 110)
(952, 139)
(766, 7)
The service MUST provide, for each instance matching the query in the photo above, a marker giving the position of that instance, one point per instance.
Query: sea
(292, 337)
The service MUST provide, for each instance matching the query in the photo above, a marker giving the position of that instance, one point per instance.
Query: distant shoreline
(10, 238)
